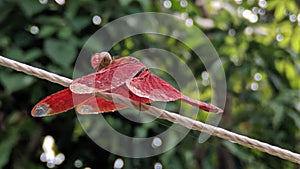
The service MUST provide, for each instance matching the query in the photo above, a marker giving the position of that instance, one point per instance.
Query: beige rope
(35, 71)
(163, 114)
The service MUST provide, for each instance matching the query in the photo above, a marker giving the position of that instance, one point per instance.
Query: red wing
(112, 76)
(59, 102)
(147, 85)
(125, 92)
(95, 105)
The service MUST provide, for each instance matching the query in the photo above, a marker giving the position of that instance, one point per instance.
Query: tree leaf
(79, 23)
(124, 3)
(15, 82)
(6, 146)
(32, 54)
(30, 7)
(60, 52)
(47, 31)
(279, 112)
(279, 12)
(296, 117)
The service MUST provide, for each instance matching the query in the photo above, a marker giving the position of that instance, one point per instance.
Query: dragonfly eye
(101, 60)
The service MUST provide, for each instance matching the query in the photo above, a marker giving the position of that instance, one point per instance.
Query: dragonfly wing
(111, 77)
(59, 102)
(152, 87)
(95, 105)
(149, 86)
(125, 92)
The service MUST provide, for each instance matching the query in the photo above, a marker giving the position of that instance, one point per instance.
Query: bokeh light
(231, 32)
(204, 75)
(254, 86)
(78, 163)
(34, 30)
(261, 11)
(60, 2)
(43, 1)
(119, 163)
(97, 20)
(293, 18)
(255, 9)
(262, 3)
(48, 155)
(189, 22)
(167, 4)
(250, 16)
(183, 3)
(205, 78)
(156, 142)
(279, 37)
(257, 76)
(158, 165)
(248, 30)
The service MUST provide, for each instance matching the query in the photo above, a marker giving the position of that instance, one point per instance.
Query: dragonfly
(125, 76)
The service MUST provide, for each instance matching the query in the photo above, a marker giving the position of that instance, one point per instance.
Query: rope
(163, 114)
(42, 74)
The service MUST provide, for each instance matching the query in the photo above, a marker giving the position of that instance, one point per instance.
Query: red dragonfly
(125, 76)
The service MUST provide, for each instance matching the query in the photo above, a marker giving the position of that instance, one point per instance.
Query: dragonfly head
(101, 60)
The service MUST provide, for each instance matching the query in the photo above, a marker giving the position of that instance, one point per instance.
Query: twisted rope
(163, 114)
(42, 74)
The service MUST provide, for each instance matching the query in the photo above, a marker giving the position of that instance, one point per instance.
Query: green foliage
(261, 53)
(58, 48)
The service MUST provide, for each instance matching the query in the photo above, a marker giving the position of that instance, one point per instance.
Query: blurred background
(258, 43)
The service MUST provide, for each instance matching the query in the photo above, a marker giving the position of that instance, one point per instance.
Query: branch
(163, 114)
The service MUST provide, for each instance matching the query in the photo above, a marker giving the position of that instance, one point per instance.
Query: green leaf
(47, 31)
(50, 20)
(291, 6)
(15, 53)
(18, 54)
(60, 52)
(65, 33)
(15, 82)
(279, 112)
(234, 149)
(4, 41)
(296, 117)
(272, 4)
(5, 11)
(71, 9)
(124, 3)
(6, 146)
(79, 23)
(32, 54)
(295, 42)
(30, 7)
(279, 12)
(145, 4)
(23, 39)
